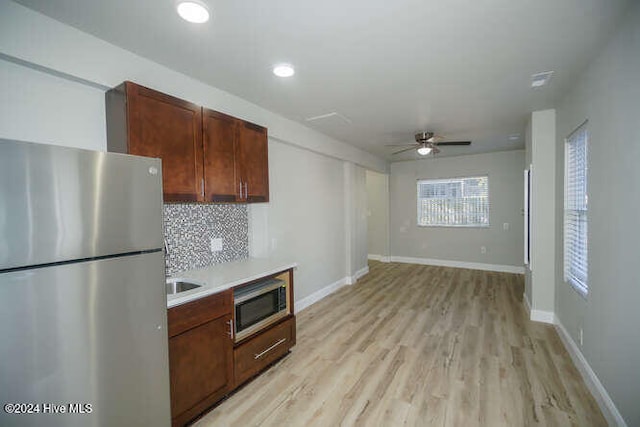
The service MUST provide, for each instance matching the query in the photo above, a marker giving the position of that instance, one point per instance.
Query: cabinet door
(201, 367)
(162, 126)
(222, 181)
(254, 162)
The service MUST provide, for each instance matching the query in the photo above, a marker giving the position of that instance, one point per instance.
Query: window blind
(575, 210)
(454, 202)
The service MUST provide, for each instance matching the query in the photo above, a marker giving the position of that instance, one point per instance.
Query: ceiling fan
(426, 143)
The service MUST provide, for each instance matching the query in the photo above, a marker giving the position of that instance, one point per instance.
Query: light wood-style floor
(418, 346)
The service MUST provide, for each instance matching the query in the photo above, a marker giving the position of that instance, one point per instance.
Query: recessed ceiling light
(284, 70)
(424, 150)
(514, 137)
(540, 79)
(193, 11)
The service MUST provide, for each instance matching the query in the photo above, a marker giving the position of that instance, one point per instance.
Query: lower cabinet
(205, 365)
(200, 355)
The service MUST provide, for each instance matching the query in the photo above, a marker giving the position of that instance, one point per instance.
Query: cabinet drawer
(192, 314)
(254, 355)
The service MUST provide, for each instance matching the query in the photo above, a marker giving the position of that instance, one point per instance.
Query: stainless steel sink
(175, 286)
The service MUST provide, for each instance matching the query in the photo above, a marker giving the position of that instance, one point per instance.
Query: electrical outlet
(581, 337)
(483, 249)
(216, 244)
(506, 226)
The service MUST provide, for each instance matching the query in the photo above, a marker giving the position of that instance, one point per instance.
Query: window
(575, 209)
(454, 202)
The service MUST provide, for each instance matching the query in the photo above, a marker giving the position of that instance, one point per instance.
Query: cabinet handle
(230, 333)
(246, 190)
(202, 187)
(240, 185)
(259, 355)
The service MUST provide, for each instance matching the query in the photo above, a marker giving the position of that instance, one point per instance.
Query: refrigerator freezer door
(59, 204)
(91, 333)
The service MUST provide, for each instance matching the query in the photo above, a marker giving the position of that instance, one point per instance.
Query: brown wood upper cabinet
(252, 153)
(144, 122)
(235, 159)
(206, 156)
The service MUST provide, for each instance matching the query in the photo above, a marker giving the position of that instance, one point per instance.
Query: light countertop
(220, 277)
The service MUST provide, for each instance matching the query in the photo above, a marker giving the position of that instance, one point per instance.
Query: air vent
(541, 79)
(329, 116)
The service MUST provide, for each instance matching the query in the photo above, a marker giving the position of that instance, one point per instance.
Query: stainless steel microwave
(259, 305)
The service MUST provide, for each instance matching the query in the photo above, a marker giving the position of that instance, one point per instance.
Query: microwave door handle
(266, 289)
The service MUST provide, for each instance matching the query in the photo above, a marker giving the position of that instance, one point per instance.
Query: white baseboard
(542, 316)
(358, 274)
(608, 408)
(328, 290)
(319, 294)
(527, 304)
(538, 315)
(381, 258)
(362, 272)
(460, 264)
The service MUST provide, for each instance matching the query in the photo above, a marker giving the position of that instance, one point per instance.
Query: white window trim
(481, 226)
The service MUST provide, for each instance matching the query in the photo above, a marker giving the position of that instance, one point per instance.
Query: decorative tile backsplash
(189, 228)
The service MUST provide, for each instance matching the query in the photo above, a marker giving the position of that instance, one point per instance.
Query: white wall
(35, 106)
(608, 95)
(53, 79)
(305, 216)
(504, 248)
(378, 214)
(543, 221)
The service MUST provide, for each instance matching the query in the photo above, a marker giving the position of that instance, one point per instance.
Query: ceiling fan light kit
(427, 143)
(424, 150)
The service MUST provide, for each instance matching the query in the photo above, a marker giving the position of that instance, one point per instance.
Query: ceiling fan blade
(454, 143)
(435, 150)
(401, 145)
(406, 149)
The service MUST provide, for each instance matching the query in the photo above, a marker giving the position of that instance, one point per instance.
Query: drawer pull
(259, 355)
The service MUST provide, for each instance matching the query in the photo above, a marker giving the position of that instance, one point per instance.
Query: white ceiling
(461, 68)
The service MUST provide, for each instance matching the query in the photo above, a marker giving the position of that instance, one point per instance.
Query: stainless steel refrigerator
(82, 293)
